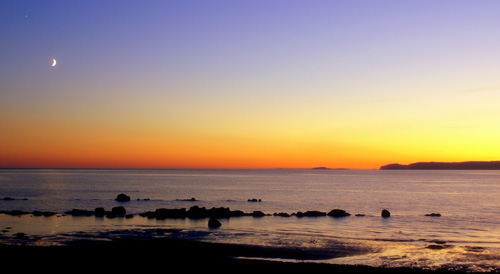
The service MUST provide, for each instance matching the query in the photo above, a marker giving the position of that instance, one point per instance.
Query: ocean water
(465, 236)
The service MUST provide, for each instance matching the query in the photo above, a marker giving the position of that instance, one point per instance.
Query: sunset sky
(248, 84)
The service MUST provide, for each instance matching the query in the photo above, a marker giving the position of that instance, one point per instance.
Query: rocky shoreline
(194, 212)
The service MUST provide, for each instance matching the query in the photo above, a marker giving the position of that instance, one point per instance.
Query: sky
(248, 84)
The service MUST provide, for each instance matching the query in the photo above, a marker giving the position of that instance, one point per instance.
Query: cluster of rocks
(196, 212)
(118, 211)
(12, 199)
(313, 213)
(20, 212)
(14, 212)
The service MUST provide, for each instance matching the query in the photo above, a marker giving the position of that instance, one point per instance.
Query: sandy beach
(133, 255)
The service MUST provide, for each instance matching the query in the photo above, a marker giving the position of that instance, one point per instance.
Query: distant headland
(471, 165)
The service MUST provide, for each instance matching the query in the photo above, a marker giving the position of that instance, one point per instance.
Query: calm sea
(466, 235)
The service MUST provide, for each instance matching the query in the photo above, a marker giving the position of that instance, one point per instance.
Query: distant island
(327, 168)
(471, 165)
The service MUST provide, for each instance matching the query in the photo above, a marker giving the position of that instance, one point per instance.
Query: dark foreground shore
(168, 255)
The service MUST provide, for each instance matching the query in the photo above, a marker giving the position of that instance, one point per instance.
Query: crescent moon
(54, 62)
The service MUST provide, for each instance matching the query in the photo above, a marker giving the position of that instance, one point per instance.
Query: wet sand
(132, 255)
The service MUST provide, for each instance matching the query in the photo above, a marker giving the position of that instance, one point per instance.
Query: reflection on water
(467, 234)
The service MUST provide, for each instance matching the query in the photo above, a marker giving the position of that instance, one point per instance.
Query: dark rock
(20, 235)
(433, 215)
(254, 200)
(122, 198)
(129, 216)
(359, 215)
(15, 212)
(213, 223)
(258, 214)
(236, 213)
(385, 213)
(99, 212)
(282, 214)
(338, 213)
(8, 199)
(220, 212)
(437, 247)
(118, 211)
(310, 214)
(196, 212)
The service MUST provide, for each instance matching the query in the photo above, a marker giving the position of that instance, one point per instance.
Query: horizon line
(119, 168)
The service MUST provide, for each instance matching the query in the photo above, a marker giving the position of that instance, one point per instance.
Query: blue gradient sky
(248, 84)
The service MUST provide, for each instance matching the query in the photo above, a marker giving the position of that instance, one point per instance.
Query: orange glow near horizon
(53, 145)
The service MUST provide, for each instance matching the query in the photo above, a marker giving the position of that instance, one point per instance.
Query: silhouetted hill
(472, 165)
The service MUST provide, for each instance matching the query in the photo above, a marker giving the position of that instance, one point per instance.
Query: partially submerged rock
(122, 198)
(99, 212)
(338, 213)
(15, 212)
(213, 223)
(119, 211)
(258, 214)
(312, 213)
(435, 247)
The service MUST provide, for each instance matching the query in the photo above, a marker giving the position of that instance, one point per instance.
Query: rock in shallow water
(213, 223)
(122, 198)
(311, 213)
(338, 213)
(119, 211)
(435, 247)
